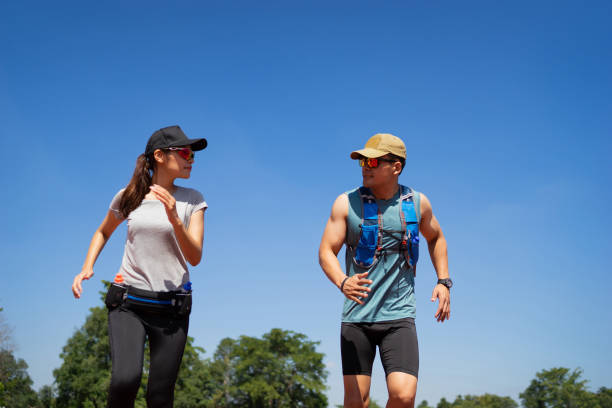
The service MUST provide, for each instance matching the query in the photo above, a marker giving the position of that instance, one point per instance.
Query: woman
(151, 296)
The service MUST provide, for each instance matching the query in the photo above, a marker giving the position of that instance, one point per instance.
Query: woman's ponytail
(138, 188)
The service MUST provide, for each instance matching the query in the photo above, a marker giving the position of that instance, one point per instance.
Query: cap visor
(367, 152)
(195, 144)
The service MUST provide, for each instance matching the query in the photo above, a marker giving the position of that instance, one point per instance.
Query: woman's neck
(164, 181)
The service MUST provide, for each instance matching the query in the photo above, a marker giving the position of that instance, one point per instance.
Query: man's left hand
(443, 294)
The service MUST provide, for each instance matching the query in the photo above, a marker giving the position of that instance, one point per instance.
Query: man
(380, 224)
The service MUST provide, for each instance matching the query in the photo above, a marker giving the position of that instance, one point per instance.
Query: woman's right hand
(77, 289)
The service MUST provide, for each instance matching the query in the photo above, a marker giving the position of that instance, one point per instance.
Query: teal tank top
(392, 296)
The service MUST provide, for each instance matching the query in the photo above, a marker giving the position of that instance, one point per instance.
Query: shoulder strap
(405, 196)
(417, 205)
(410, 205)
(409, 214)
(405, 193)
(370, 243)
(371, 212)
(369, 208)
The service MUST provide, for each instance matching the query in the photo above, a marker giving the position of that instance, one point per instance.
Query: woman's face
(175, 161)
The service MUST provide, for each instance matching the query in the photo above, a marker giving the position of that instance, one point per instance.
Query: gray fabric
(152, 259)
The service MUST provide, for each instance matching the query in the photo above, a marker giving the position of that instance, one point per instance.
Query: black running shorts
(396, 340)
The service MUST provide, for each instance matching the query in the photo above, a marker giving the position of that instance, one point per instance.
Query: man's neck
(385, 192)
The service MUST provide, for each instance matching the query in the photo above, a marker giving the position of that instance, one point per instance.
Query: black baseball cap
(173, 136)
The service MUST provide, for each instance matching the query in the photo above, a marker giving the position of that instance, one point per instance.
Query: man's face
(379, 171)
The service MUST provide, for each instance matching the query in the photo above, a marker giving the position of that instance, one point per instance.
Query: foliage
(46, 395)
(604, 397)
(281, 369)
(84, 376)
(15, 383)
(194, 386)
(558, 388)
(443, 403)
(484, 401)
(6, 342)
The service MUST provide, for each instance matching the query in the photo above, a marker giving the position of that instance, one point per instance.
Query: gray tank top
(392, 296)
(152, 259)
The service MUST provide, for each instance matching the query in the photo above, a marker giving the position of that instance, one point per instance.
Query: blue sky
(505, 110)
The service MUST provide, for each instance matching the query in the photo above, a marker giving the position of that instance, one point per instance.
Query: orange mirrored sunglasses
(374, 163)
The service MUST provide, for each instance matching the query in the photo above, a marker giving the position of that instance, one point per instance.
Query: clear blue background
(505, 110)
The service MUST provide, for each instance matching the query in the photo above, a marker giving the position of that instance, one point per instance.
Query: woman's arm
(189, 239)
(102, 234)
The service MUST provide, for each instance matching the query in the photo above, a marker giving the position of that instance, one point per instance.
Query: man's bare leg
(356, 391)
(402, 390)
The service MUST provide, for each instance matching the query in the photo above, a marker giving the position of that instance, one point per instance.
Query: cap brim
(195, 144)
(367, 152)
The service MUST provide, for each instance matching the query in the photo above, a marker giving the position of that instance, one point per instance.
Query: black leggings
(167, 336)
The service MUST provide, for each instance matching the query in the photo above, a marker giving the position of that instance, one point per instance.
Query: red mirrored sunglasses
(185, 152)
(374, 163)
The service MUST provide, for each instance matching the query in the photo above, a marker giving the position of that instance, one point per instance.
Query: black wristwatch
(446, 282)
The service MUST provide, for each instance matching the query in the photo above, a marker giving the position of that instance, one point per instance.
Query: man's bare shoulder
(340, 207)
(425, 204)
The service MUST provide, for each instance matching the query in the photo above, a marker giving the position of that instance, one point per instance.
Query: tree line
(280, 369)
(554, 388)
(557, 387)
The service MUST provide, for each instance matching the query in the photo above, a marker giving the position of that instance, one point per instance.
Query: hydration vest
(369, 246)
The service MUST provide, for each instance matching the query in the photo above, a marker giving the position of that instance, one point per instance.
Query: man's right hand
(354, 287)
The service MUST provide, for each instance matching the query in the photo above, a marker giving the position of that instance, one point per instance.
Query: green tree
(84, 376)
(484, 401)
(281, 369)
(604, 397)
(558, 388)
(223, 369)
(46, 396)
(443, 403)
(15, 383)
(423, 404)
(6, 342)
(195, 385)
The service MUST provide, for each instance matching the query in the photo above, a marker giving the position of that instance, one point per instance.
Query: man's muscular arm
(431, 230)
(331, 243)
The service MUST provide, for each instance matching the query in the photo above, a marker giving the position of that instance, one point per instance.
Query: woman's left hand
(168, 201)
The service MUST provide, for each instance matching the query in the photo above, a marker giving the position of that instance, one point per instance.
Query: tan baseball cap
(379, 145)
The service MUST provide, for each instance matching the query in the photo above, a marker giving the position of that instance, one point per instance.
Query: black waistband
(175, 302)
(149, 294)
